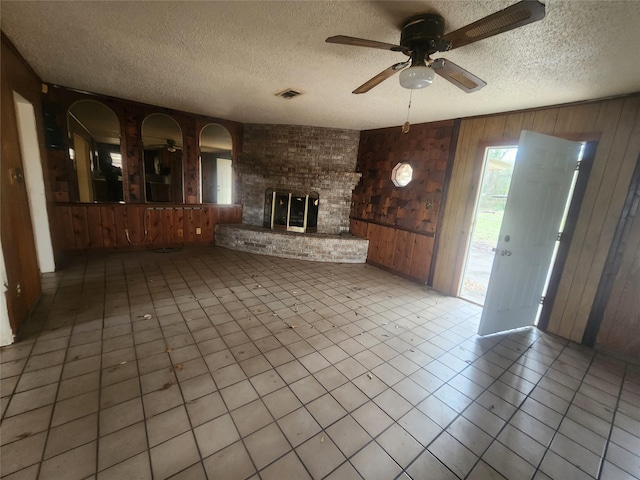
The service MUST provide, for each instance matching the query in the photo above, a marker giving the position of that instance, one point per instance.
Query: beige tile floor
(208, 363)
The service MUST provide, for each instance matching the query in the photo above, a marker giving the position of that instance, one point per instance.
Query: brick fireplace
(283, 168)
(302, 160)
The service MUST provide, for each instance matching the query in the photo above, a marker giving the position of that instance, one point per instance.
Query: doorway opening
(216, 165)
(34, 180)
(487, 221)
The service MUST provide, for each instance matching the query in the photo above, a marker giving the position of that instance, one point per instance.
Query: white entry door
(224, 175)
(540, 185)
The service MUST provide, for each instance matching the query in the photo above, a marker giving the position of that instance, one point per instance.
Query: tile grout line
(564, 416)
(235, 269)
(322, 429)
(612, 425)
(28, 356)
(101, 370)
(55, 401)
(395, 422)
(460, 414)
(242, 439)
(398, 353)
(228, 412)
(131, 321)
(210, 373)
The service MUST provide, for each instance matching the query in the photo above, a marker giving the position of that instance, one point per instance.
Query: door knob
(505, 252)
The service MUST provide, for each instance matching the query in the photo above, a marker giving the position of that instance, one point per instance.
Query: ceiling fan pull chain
(407, 126)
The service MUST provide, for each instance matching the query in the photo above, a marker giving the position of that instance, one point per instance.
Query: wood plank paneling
(94, 227)
(513, 125)
(459, 208)
(614, 123)
(405, 253)
(494, 127)
(392, 218)
(359, 228)
(618, 186)
(621, 322)
(414, 207)
(580, 119)
(197, 223)
(100, 227)
(108, 225)
(544, 121)
(609, 117)
(80, 228)
(120, 223)
(447, 231)
(421, 257)
(167, 226)
(208, 222)
(65, 225)
(134, 218)
(23, 287)
(599, 231)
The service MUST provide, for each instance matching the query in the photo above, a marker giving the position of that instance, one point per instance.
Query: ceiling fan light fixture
(416, 77)
(171, 146)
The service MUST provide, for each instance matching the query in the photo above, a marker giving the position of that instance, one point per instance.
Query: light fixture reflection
(416, 77)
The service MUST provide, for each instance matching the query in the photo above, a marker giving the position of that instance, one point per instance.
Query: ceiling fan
(423, 35)
(170, 145)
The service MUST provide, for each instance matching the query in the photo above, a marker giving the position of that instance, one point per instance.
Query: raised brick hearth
(303, 246)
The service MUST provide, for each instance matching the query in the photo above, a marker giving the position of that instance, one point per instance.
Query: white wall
(34, 180)
(6, 335)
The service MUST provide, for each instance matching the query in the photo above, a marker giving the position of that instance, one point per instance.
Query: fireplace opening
(291, 211)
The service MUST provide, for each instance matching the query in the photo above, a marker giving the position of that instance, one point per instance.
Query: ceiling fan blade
(517, 15)
(362, 42)
(381, 77)
(460, 77)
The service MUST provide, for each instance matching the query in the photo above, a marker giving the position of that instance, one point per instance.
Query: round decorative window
(401, 174)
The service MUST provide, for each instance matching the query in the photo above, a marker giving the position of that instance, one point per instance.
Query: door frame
(477, 175)
(35, 182)
(482, 152)
(584, 171)
(219, 161)
(586, 164)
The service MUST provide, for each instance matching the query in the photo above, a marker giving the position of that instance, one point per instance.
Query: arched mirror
(216, 173)
(162, 141)
(94, 147)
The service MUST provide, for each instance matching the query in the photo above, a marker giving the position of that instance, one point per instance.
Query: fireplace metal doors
(294, 213)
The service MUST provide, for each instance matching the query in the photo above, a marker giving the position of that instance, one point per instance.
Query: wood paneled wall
(131, 115)
(18, 242)
(99, 227)
(615, 124)
(405, 253)
(401, 222)
(620, 324)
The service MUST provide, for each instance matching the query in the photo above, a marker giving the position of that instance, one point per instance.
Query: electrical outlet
(198, 231)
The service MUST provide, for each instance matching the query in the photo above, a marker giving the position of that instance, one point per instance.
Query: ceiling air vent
(288, 93)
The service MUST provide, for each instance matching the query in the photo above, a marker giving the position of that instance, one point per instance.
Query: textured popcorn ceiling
(228, 59)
